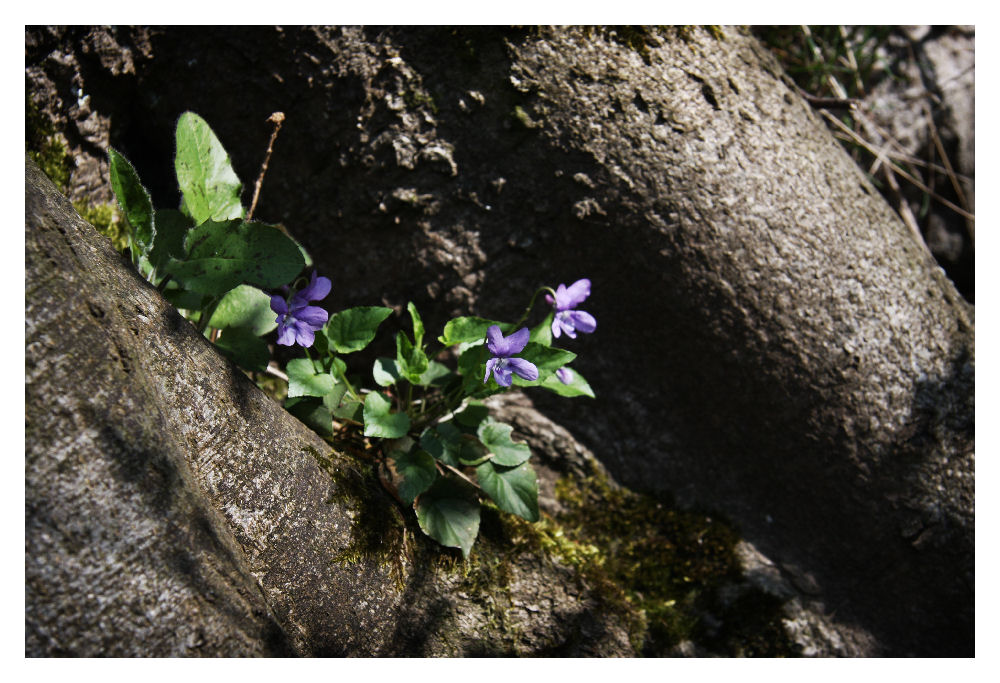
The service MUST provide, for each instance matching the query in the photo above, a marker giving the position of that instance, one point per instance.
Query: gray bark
(171, 508)
(772, 342)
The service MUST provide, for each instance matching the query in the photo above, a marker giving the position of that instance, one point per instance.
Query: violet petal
(495, 341)
(313, 316)
(317, 288)
(279, 305)
(502, 374)
(517, 341)
(575, 294)
(583, 321)
(524, 369)
(286, 334)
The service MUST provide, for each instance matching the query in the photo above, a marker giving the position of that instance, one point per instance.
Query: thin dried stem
(952, 176)
(883, 158)
(277, 118)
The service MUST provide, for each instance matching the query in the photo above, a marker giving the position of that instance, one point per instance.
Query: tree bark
(171, 508)
(772, 342)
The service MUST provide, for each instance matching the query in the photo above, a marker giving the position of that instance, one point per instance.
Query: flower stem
(350, 388)
(531, 305)
(207, 313)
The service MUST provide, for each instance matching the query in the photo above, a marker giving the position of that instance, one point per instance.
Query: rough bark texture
(772, 342)
(174, 509)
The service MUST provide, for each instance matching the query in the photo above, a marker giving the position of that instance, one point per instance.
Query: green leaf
(542, 333)
(221, 255)
(418, 325)
(496, 437)
(469, 329)
(134, 201)
(436, 374)
(350, 409)
(245, 348)
(380, 422)
(513, 489)
(472, 416)
(472, 451)
(184, 299)
(411, 359)
(417, 472)
(472, 363)
(448, 512)
(304, 380)
(546, 359)
(245, 306)
(443, 441)
(312, 413)
(354, 329)
(386, 372)
(334, 399)
(205, 175)
(335, 366)
(168, 242)
(578, 386)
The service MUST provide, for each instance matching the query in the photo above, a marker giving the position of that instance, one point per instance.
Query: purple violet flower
(566, 319)
(297, 320)
(565, 375)
(502, 363)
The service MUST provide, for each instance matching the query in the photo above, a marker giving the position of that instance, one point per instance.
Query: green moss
(670, 565)
(45, 146)
(105, 219)
(416, 97)
(523, 119)
(379, 531)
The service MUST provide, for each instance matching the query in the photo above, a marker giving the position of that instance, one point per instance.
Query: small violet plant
(434, 446)
(297, 321)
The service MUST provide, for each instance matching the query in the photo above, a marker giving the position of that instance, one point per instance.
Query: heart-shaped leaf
(448, 512)
(382, 423)
(416, 471)
(304, 380)
(514, 489)
(354, 328)
(495, 436)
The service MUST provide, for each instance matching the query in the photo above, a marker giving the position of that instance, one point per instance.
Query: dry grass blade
(884, 158)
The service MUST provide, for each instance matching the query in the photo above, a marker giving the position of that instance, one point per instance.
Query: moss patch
(106, 220)
(670, 565)
(379, 530)
(44, 145)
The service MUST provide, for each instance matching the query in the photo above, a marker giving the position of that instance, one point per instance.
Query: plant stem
(207, 313)
(277, 118)
(531, 305)
(343, 378)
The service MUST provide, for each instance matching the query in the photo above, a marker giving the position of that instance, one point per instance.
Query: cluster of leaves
(206, 258)
(441, 450)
